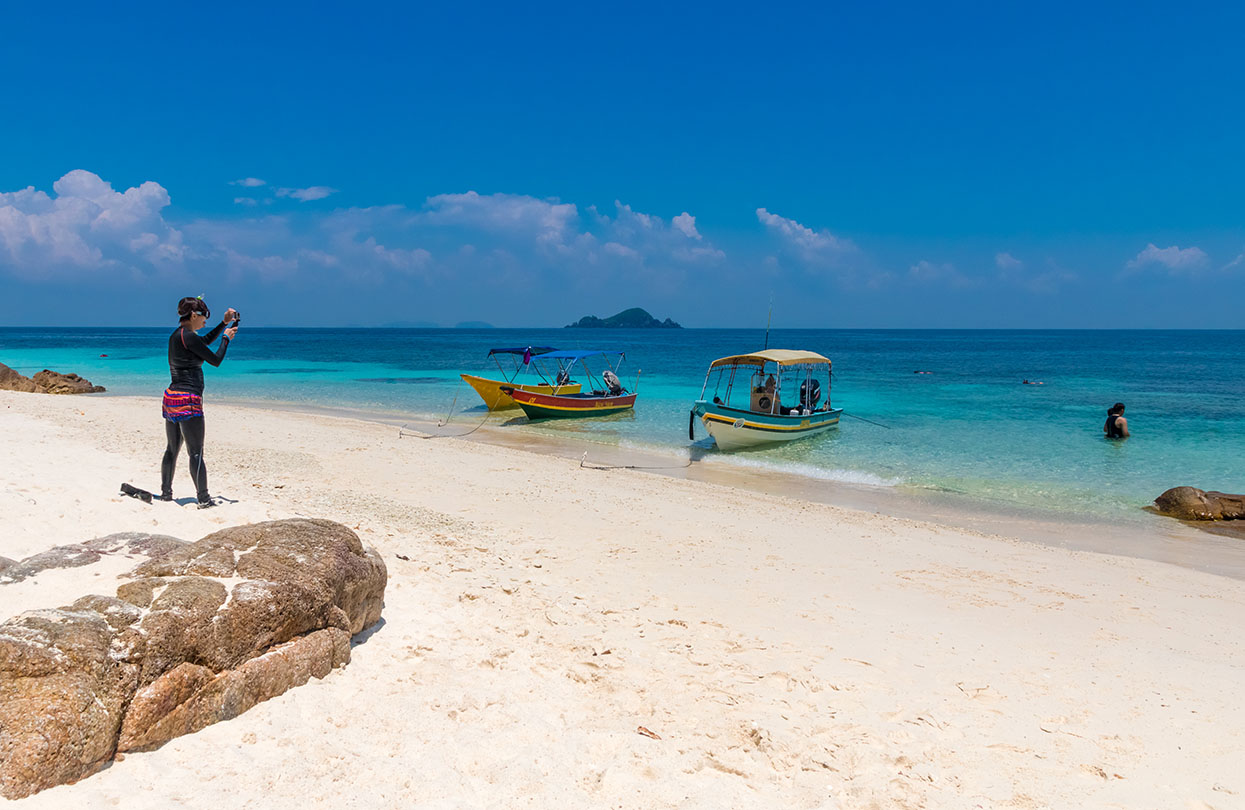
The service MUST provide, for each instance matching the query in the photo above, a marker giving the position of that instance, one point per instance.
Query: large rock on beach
(75, 555)
(177, 650)
(11, 380)
(62, 696)
(46, 382)
(1191, 503)
(53, 382)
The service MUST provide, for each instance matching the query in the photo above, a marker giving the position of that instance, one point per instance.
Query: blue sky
(888, 165)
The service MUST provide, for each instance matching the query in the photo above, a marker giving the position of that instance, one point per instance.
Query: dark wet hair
(1116, 408)
(188, 306)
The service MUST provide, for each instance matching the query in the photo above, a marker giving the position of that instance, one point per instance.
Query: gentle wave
(806, 471)
(810, 471)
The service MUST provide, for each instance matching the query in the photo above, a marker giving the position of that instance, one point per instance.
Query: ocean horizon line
(593, 330)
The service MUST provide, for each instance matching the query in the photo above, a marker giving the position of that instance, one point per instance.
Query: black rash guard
(187, 354)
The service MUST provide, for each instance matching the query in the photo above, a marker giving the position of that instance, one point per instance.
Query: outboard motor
(810, 394)
(612, 382)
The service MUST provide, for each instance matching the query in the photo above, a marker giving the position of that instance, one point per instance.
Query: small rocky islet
(634, 318)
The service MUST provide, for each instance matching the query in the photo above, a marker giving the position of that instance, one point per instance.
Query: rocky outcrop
(79, 554)
(1191, 503)
(634, 318)
(177, 650)
(46, 382)
(10, 380)
(53, 382)
(191, 697)
(62, 696)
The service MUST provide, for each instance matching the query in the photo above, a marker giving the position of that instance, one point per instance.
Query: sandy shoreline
(789, 653)
(1212, 549)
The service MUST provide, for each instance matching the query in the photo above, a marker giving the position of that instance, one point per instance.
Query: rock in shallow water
(1191, 503)
(176, 651)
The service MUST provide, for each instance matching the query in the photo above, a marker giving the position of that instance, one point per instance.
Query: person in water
(1116, 426)
(183, 399)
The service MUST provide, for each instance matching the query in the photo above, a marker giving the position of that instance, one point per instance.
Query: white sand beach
(782, 652)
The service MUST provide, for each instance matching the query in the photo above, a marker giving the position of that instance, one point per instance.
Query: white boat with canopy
(773, 395)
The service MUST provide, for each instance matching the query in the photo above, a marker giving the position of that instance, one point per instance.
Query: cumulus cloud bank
(87, 225)
(459, 240)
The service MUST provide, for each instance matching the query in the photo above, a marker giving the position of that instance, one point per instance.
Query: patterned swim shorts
(180, 406)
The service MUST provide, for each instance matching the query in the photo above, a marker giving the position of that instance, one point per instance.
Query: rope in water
(870, 421)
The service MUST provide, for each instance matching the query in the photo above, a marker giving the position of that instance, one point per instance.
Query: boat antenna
(769, 318)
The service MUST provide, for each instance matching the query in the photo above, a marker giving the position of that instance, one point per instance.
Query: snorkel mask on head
(190, 306)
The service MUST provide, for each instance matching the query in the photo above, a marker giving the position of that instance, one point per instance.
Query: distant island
(473, 325)
(634, 318)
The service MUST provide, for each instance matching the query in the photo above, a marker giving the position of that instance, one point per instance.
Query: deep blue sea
(969, 427)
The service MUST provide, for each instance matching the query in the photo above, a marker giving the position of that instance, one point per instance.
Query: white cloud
(652, 239)
(1174, 258)
(247, 201)
(248, 182)
(86, 226)
(686, 223)
(620, 250)
(1007, 262)
(1237, 262)
(804, 238)
(815, 251)
(546, 221)
(306, 194)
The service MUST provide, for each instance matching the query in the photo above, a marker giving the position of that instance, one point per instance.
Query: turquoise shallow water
(970, 427)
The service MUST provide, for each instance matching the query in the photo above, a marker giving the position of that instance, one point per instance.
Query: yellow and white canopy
(783, 357)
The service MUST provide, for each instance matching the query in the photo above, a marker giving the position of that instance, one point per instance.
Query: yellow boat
(495, 399)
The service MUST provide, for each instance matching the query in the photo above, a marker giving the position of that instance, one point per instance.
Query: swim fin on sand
(134, 492)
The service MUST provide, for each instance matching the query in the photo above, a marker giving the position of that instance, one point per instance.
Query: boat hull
(736, 429)
(496, 399)
(538, 405)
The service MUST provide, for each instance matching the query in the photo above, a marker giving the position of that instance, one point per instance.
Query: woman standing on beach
(183, 399)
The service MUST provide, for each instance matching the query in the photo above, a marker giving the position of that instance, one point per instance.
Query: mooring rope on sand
(403, 434)
(448, 415)
(587, 465)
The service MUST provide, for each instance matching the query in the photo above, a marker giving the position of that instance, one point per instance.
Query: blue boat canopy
(579, 354)
(522, 350)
